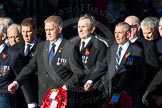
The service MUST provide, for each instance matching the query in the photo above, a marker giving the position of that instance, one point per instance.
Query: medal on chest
(85, 56)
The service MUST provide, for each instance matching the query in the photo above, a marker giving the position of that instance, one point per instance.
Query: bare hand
(145, 98)
(12, 87)
(64, 87)
(87, 86)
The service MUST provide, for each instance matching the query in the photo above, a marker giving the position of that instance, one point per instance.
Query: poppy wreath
(55, 98)
(125, 101)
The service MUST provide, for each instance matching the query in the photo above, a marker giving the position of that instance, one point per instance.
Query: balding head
(14, 27)
(134, 22)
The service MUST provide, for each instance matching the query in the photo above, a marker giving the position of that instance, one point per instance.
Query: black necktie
(27, 49)
(82, 45)
(51, 54)
(117, 58)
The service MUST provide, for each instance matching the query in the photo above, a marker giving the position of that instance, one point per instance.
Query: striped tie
(117, 58)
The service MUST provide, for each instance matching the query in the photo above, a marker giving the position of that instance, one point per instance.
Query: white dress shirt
(134, 40)
(86, 42)
(2, 46)
(124, 49)
(57, 44)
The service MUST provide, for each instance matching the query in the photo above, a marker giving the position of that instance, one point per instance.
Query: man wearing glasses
(14, 34)
(151, 57)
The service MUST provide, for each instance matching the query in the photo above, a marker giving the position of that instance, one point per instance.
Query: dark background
(67, 9)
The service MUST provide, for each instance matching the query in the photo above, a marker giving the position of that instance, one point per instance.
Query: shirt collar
(31, 43)
(133, 40)
(125, 46)
(58, 42)
(86, 40)
(2, 46)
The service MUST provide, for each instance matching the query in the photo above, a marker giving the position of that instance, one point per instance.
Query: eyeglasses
(15, 37)
(134, 26)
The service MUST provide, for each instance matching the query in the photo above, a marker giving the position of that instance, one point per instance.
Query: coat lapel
(124, 58)
(58, 55)
(90, 42)
(2, 58)
(30, 53)
(45, 54)
(113, 55)
(22, 48)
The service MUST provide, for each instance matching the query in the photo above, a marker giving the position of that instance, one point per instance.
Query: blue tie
(27, 49)
(51, 54)
(117, 59)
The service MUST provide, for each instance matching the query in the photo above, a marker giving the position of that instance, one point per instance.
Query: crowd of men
(95, 73)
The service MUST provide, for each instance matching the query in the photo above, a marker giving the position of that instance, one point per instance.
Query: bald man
(148, 47)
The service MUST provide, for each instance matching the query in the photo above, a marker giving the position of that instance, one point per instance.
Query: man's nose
(80, 29)
(48, 32)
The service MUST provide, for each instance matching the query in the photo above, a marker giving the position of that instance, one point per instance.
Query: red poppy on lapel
(4, 56)
(127, 55)
(87, 52)
(60, 50)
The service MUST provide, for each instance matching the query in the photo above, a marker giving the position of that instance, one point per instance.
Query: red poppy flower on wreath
(127, 55)
(87, 52)
(55, 98)
(4, 56)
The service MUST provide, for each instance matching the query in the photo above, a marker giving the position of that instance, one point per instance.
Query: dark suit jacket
(13, 60)
(30, 88)
(21, 46)
(151, 57)
(150, 52)
(155, 86)
(130, 75)
(66, 67)
(97, 52)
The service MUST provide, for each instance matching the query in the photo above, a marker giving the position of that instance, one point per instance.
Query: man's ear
(93, 29)
(4, 36)
(138, 27)
(60, 29)
(128, 34)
